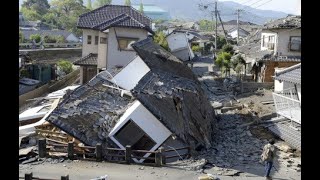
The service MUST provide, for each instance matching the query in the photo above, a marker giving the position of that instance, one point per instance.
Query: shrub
(196, 48)
(65, 66)
(60, 39)
(35, 37)
(50, 39)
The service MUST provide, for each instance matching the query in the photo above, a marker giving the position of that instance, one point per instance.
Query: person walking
(268, 156)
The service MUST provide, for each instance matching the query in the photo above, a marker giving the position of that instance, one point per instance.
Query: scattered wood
(25, 151)
(267, 102)
(225, 109)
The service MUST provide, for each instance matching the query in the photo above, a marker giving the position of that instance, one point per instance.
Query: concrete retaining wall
(54, 54)
(50, 87)
(253, 86)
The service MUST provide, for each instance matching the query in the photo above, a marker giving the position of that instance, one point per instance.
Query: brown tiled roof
(89, 60)
(114, 16)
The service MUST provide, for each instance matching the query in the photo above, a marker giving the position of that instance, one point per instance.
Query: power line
(262, 4)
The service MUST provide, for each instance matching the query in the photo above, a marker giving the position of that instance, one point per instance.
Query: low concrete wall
(50, 87)
(253, 86)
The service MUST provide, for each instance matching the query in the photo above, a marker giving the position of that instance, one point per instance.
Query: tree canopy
(38, 6)
(160, 38)
(206, 25)
(99, 3)
(141, 8)
(127, 2)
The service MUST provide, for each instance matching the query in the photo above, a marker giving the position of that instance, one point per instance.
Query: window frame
(290, 44)
(103, 38)
(128, 39)
(89, 39)
(96, 40)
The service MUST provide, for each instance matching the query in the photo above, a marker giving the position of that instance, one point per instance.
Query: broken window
(125, 43)
(131, 134)
(89, 39)
(295, 43)
(96, 40)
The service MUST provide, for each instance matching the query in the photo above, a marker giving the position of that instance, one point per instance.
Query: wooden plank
(115, 155)
(267, 102)
(140, 157)
(176, 149)
(167, 157)
(143, 151)
(61, 142)
(115, 149)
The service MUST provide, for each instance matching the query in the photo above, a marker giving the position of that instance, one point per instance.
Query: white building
(108, 33)
(234, 33)
(287, 100)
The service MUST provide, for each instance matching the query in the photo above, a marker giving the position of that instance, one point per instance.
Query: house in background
(279, 46)
(234, 33)
(287, 101)
(108, 33)
(149, 103)
(68, 36)
(154, 12)
(31, 25)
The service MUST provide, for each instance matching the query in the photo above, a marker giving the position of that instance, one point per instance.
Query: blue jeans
(268, 167)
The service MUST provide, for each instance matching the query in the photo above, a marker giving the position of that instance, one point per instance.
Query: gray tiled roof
(291, 74)
(90, 111)
(284, 23)
(89, 60)
(114, 16)
(158, 58)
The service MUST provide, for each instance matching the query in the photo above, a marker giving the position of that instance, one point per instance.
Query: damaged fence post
(70, 150)
(28, 176)
(158, 158)
(128, 154)
(65, 177)
(99, 152)
(42, 147)
(162, 155)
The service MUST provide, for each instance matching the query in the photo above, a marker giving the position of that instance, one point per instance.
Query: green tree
(60, 39)
(39, 6)
(65, 66)
(50, 39)
(29, 14)
(224, 61)
(35, 37)
(238, 63)
(160, 38)
(228, 48)
(89, 4)
(67, 13)
(141, 8)
(196, 48)
(99, 3)
(51, 19)
(221, 41)
(127, 3)
(206, 25)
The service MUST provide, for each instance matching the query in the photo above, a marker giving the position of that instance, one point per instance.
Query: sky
(287, 6)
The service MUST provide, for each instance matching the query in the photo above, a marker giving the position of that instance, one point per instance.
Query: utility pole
(216, 30)
(238, 15)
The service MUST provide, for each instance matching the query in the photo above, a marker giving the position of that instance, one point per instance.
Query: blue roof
(149, 8)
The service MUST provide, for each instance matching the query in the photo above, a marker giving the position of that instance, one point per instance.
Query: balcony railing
(287, 104)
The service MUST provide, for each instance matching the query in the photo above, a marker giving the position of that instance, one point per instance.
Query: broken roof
(195, 33)
(89, 60)
(108, 16)
(91, 111)
(291, 74)
(288, 22)
(179, 103)
(174, 95)
(158, 58)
